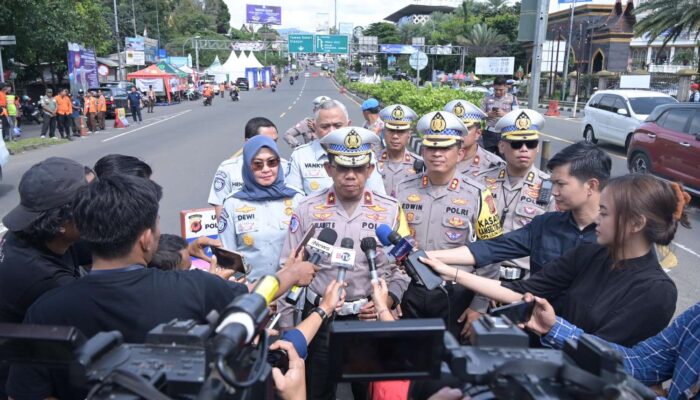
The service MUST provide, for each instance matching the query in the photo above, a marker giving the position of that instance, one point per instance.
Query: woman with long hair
(614, 288)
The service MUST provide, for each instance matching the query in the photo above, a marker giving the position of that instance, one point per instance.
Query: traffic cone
(83, 126)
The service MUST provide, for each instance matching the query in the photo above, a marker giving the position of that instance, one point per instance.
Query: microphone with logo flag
(318, 248)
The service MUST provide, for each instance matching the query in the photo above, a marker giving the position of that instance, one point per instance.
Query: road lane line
(146, 126)
(289, 108)
(282, 115)
(689, 250)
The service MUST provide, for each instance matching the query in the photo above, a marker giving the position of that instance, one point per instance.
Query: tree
(495, 5)
(668, 18)
(505, 24)
(483, 41)
(384, 31)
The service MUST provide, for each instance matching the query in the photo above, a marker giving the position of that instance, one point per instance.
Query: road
(185, 143)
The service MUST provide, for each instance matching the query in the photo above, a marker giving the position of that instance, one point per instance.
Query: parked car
(116, 98)
(242, 84)
(126, 85)
(613, 115)
(668, 144)
(353, 76)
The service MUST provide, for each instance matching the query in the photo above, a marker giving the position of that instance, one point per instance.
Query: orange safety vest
(63, 105)
(101, 104)
(90, 105)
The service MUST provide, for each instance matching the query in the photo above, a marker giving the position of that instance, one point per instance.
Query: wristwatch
(320, 312)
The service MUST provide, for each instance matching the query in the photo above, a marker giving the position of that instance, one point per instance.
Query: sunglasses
(341, 169)
(260, 165)
(531, 144)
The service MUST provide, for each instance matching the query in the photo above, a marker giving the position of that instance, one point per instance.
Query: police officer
(516, 186)
(395, 162)
(444, 210)
(496, 105)
(476, 160)
(353, 210)
(306, 169)
(304, 128)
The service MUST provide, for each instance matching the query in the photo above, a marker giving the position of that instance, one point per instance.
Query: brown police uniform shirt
(507, 103)
(445, 217)
(517, 202)
(325, 211)
(481, 163)
(393, 172)
(301, 129)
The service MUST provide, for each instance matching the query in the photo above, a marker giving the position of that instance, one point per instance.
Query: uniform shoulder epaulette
(323, 193)
(410, 181)
(301, 147)
(230, 161)
(384, 197)
(416, 156)
(469, 180)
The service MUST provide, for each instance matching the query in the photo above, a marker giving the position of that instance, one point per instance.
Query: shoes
(43, 136)
(54, 137)
(70, 139)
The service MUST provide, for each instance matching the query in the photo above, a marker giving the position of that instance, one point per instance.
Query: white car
(612, 115)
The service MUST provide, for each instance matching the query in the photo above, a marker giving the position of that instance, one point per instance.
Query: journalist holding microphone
(353, 211)
(255, 219)
(615, 288)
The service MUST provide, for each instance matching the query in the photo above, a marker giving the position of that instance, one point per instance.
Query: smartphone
(228, 259)
(545, 192)
(309, 234)
(518, 312)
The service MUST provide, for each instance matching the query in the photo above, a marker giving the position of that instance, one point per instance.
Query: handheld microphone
(369, 247)
(403, 253)
(343, 257)
(319, 248)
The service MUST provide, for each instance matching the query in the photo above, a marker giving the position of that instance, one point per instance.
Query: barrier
(553, 109)
(120, 120)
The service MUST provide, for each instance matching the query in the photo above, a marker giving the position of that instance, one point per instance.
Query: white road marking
(146, 126)
(680, 246)
(282, 115)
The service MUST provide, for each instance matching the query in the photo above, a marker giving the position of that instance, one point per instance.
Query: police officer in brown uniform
(446, 209)
(476, 160)
(496, 105)
(304, 129)
(516, 186)
(395, 162)
(354, 211)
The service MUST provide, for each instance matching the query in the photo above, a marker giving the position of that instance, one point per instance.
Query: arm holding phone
(332, 299)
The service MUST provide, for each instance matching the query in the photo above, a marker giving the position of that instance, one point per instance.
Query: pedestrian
(133, 100)
(395, 162)
(694, 93)
(91, 111)
(304, 129)
(266, 205)
(64, 113)
(150, 98)
(222, 89)
(76, 116)
(445, 210)
(48, 107)
(476, 161)
(370, 111)
(12, 113)
(496, 105)
(101, 110)
(4, 113)
(351, 207)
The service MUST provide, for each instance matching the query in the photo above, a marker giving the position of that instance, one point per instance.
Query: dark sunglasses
(531, 144)
(260, 165)
(341, 169)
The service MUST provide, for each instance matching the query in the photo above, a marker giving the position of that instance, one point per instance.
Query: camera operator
(579, 172)
(292, 384)
(616, 288)
(671, 354)
(117, 217)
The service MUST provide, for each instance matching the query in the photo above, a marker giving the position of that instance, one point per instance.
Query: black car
(116, 98)
(242, 84)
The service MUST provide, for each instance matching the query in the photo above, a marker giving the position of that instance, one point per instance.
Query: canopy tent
(164, 66)
(155, 77)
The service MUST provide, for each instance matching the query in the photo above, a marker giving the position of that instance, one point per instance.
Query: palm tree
(669, 18)
(482, 40)
(496, 4)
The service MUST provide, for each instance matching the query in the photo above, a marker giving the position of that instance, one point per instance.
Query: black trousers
(419, 302)
(64, 123)
(48, 125)
(491, 139)
(319, 385)
(136, 113)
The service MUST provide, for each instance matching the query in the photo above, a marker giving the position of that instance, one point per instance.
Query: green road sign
(337, 44)
(300, 43)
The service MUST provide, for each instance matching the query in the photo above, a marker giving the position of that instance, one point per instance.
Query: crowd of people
(84, 247)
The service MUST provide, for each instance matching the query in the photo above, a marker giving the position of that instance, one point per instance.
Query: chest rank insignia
(377, 208)
(458, 110)
(523, 122)
(353, 140)
(330, 200)
(323, 216)
(368, 198)
(502, 174)
(456, 221)
(397, 113)
(476, 160)
(413, 198)
(534, 191)
(438, 124)
(453, 235)
(245, 209)
(530, 177)
(460, 202)
(376, 217)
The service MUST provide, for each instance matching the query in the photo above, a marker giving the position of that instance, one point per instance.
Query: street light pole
(196, 51)
(540, 34)
(119, 51)
(568, 46)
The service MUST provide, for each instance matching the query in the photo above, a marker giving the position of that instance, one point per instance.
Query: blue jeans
(136, 112)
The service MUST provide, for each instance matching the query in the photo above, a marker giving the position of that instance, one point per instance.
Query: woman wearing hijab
(255, 219)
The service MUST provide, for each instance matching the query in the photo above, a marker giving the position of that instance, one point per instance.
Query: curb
(30, 147)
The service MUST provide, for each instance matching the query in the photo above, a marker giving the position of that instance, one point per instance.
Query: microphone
(403, 253)
(319, 248)
(343, 257)
(369, 247)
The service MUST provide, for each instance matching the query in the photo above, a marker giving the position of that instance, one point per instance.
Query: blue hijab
(251, 189)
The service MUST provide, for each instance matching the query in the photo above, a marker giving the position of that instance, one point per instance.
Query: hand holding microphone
(404, 253)
(369, 247)
(318, 248)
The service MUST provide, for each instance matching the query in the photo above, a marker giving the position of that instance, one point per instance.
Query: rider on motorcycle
(208, 94)
(234, 92)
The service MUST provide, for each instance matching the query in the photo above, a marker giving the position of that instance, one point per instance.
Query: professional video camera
(499, 364)
(179, 359)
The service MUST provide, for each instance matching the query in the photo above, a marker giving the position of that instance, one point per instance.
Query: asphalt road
(185, 143)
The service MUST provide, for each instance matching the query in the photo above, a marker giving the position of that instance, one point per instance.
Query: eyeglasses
(341, 169)
(260, 165)
(531, 144)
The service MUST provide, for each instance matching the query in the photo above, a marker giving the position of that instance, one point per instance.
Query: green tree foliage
(483, 41)
(667, 17)
(384, 31)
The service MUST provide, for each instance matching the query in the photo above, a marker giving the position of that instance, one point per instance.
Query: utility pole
(533, 97)
(566, 60)
(119, 51)
(196, 52)
(158, 25)
(335, 24)
(133, 16)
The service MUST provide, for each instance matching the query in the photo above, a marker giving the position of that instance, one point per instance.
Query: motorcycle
(207, 100)
(234, 95)
(31, 112)
(191, 94)
(291, 80)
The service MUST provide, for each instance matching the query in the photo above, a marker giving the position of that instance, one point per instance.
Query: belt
(512, 273)
(348, 308)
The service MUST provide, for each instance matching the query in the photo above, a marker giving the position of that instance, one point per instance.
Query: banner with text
(82, 68)
(495, 66)
(257, 14)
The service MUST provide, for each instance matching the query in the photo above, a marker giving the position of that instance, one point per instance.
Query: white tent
(216, 69)
(251, 61)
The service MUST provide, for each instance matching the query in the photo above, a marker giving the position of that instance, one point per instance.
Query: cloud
(302, 13)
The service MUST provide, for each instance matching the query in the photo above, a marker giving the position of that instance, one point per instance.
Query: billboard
(150, 49)
(82, 68)
(134, 47)
(553, 54)
(256, 14)
(135, 57)
(494, 66)
(134, 43)
(397, 49)
(345, 28)
(322, 24)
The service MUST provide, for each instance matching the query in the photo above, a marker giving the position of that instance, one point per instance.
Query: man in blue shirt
(579, 173)
(134, 102)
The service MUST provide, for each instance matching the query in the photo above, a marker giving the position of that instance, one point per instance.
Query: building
(417, 13)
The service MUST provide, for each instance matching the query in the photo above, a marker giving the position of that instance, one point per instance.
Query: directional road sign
(300, 43)
(418, 60)
(337, 44)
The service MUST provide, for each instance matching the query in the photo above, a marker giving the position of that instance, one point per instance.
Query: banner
(135, 58)
(256, 14)
(495, 65)
(150, 49)
(134, 43)
(143, 83)
(397, 49)
(82, 68)
(345, 28)
(247, 46)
